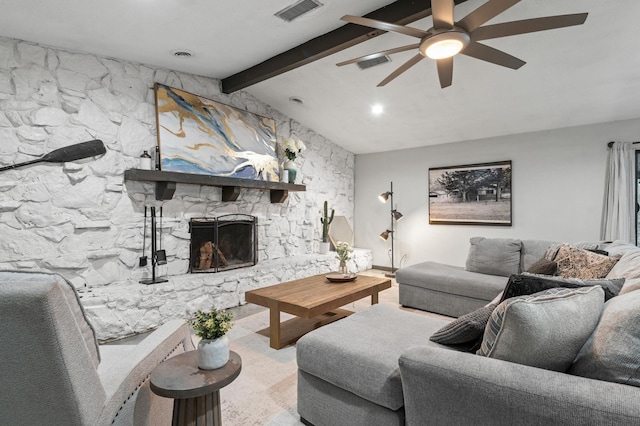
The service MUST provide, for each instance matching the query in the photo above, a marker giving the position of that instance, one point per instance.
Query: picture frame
(474, 194)
(203, 136)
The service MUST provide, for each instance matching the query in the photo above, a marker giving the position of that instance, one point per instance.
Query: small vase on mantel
(290, 166)
(213, 354)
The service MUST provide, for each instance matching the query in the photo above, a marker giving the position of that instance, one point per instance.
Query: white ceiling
(577, 75)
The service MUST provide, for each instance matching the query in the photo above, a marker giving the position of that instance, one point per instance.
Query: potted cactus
(326, 220)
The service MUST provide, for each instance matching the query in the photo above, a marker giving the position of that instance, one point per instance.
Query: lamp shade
(397, 215)
(384, 196)
(385, 235)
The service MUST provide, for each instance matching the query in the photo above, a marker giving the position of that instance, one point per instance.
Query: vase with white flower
(292, 149)
(343, 251)
(212, 327)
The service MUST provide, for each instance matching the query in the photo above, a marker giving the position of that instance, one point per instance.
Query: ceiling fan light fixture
(445, 44)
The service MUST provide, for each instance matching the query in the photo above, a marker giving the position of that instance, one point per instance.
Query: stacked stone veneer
(84, 221)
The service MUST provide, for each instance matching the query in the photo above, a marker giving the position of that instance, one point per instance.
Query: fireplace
(223, 243)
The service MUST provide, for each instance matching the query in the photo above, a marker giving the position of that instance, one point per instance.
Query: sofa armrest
(447, 387)
(125, 369)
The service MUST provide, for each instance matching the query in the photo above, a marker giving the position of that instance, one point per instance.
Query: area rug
(265, 391)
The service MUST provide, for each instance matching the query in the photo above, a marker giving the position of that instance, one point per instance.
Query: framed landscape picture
(475, 194)
(198, 135)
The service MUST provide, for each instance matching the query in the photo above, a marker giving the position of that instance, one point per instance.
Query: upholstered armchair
(54, 372)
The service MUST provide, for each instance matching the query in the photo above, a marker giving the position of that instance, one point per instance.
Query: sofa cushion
(544, 330)
(612, 352)
(543, 267)
(574, 262)
(494, 256)
(467, 328)
(527, 283)
(532, 251)
(360, 353)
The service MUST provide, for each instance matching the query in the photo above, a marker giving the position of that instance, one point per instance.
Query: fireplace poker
(143, 258)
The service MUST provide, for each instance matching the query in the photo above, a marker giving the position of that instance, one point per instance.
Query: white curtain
(619, 198)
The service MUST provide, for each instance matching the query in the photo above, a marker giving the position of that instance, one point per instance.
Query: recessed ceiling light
(182, 53)
(377, 109)
(296, 100)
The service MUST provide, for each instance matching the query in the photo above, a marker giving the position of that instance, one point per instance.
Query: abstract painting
(198, 135)
(475, 194)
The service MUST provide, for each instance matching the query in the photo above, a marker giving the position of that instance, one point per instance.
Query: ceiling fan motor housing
(444, 43)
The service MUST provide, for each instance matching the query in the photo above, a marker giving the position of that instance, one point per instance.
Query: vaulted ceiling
(573, 76)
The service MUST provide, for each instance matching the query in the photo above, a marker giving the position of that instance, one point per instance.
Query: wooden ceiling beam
(401, 12)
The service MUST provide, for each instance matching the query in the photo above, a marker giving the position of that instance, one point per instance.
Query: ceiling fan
(447, 38)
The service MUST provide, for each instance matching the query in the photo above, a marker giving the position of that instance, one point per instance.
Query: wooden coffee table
(314, 300)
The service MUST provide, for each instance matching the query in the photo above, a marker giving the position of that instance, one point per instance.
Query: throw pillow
(578, 263)
(527, 283)
(544, 267)
(544, 330)
(464, 329)
(612, 352)
(628, 266)
(552, 251)
(494, 256)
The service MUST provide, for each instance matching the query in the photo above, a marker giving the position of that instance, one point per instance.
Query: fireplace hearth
(222, 243)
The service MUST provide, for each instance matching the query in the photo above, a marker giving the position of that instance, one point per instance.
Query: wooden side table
(196, 392)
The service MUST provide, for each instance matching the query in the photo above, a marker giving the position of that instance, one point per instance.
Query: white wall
(557, 188)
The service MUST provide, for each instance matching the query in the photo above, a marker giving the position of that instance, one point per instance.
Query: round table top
(179, 377)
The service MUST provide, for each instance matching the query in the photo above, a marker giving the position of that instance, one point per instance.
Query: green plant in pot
(212, 327)
(326, 221)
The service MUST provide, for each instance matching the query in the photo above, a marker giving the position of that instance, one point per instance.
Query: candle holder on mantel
(154, 253)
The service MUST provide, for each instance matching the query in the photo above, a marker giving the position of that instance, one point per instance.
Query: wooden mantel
(166, 184)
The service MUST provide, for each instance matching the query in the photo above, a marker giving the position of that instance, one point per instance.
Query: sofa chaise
(455, 290)
(379, 366)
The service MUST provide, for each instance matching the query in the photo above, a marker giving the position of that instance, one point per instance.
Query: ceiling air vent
(368, 63)
(298, 9)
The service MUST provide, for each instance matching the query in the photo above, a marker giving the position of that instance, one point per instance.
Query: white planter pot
(324, 248)
(213, 354)
(288, 165)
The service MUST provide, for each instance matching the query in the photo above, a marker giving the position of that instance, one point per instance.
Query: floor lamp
(395, 216)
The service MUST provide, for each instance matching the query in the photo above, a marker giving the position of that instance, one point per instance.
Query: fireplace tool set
(158, 255)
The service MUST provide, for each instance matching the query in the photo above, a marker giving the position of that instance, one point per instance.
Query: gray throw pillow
(494, 256)
(612, 352)
(467, 328)
(544, 330)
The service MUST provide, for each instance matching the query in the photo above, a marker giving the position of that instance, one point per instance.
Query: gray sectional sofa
(454, 290)
(379, 367)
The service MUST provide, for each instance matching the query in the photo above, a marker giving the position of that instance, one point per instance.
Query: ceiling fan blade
(379, 54)
(385, 26)
(445, 71)
(484, 13)
(411, 62)
(528, 26)
(442, 12)
(495, 56)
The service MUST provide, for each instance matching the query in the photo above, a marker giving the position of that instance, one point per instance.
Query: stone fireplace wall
(82, 220)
